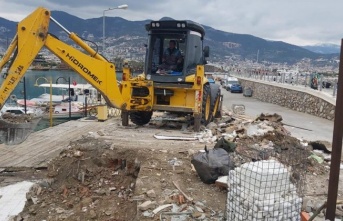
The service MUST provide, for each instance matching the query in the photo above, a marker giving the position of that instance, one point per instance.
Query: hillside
(132, 34)
(324, 48)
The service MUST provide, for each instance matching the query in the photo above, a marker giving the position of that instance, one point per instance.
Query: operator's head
(172, 43)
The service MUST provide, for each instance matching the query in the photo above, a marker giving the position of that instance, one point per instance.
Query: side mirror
(206, 51)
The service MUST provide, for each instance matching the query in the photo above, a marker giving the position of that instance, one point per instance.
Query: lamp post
(69, 100)
(103, 23)
(50, 108)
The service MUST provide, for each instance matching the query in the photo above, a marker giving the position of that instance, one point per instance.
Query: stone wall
(294, 99)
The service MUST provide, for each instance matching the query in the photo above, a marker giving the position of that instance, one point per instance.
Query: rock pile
(262, 191)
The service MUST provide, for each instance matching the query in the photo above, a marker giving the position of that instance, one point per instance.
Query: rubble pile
(17, 119)
(176, 206)
(125, 173)
(88, 181)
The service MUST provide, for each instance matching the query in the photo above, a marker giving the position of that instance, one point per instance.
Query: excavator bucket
(14, 131)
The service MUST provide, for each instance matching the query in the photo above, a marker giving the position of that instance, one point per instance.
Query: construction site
(88, 170)
(177, 147)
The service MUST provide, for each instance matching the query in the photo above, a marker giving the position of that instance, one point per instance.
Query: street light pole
(103, 23)
(50, 109)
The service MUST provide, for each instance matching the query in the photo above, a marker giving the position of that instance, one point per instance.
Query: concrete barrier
(296, 98)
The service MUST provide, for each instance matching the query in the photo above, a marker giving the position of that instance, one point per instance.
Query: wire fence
(322, 83)
(270, 188)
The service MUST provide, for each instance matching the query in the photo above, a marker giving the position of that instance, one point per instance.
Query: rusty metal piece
(336, 146)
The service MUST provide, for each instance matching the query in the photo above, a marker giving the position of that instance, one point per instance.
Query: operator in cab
(171, 59)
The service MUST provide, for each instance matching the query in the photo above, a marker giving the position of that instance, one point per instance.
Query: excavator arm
(32, 35)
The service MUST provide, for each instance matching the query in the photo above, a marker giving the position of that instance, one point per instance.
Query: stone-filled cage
(270, 187)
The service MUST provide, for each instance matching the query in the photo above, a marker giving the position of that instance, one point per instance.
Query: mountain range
(224, 45)
(324, 48)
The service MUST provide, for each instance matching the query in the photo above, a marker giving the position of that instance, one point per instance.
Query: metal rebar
(336, 146)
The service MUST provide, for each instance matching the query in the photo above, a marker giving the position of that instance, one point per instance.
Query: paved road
(315, 128)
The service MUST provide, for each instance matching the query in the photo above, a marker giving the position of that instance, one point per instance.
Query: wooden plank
(46, 144)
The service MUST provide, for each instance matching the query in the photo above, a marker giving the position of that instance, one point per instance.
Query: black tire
(215, 101)
(206, 113)
(140, 117)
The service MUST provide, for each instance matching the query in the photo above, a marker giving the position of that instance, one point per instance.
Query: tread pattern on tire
(140, 117)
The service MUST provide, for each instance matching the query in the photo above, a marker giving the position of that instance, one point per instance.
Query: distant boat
(14, 109)
(63, 67)
(79, 92)
(61, 111)
(39, 68)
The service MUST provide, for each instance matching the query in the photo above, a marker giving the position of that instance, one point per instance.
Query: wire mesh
(270, 188)
(114, 112)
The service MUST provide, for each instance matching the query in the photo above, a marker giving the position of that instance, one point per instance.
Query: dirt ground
(107, 174)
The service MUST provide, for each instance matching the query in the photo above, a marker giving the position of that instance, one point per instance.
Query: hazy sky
(299, 22)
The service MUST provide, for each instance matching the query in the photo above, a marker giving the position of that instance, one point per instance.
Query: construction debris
(119, 175)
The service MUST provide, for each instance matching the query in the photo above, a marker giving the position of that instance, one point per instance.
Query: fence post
(305, 80)
(334, 88)
(320, 83)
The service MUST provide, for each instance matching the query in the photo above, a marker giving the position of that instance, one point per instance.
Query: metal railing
(327, 85)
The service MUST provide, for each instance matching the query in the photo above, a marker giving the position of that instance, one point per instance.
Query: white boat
(62, 110)
(41, 100)
(21, 110)
(79, 92)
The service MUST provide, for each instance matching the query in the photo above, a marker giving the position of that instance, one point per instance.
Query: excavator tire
(206, 115)
(215, 101)
(140, 117)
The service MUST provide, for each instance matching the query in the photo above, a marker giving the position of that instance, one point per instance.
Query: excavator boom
(32, 35)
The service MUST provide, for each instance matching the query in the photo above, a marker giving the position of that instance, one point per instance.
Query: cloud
(293, 21)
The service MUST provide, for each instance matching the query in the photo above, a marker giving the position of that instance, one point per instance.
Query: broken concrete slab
(146, 205)
(13, 199)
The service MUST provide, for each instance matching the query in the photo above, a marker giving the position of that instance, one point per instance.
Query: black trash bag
(226, 145)
(211, 164)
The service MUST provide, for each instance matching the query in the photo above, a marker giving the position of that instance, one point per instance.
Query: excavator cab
(188, 40)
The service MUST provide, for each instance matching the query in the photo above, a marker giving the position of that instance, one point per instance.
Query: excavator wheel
(206, 115)
(215, 101)
(140, 117)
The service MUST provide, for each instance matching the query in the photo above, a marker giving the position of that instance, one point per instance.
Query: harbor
(37, 88)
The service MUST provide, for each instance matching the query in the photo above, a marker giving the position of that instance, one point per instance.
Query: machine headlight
(178, 25)
(183, 25)
(157, 25)
(153, 25)
(148, 77)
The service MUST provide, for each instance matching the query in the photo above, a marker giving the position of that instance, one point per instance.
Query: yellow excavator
(183, 90)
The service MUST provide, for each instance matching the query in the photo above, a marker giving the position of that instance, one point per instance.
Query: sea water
(32, 91)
